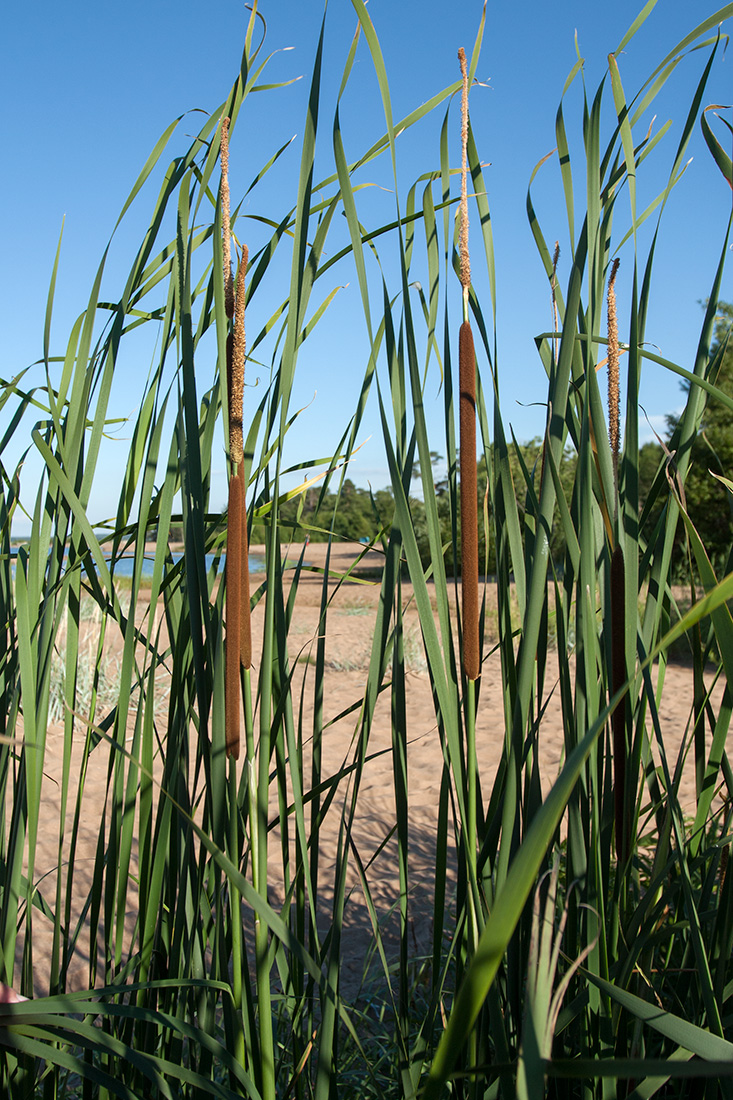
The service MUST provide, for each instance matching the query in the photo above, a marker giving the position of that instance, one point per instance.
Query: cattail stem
(238, 624)
(618, 588)
(618, 717)
(467, 423)
(235, 916)
(233, 622)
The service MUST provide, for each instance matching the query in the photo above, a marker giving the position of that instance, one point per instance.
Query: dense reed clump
(308, 925)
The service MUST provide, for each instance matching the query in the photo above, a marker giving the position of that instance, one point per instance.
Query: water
(124, 566)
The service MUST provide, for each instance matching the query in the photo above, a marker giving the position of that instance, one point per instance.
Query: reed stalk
(235, 512)
(467, 419)
(238, 622)
(617, 588)
(618, 679)
(237, 578)
(471, 651)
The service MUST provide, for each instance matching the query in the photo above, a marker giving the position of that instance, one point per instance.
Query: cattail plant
(469, 525)
(238, 636)
(467, 416)
(618, 584)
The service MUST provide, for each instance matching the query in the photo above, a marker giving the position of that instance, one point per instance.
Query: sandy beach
(350, 628)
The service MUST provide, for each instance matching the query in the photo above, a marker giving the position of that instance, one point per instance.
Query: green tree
(357, 514)
(526, 456)
(709, 504)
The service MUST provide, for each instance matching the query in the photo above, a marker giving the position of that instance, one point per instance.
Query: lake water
(123, 566)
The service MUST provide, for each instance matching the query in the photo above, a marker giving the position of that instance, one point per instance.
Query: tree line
(358, 514)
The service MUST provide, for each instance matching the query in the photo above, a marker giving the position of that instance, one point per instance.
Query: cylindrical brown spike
(469, 503)
(230, 352)
(232, 693)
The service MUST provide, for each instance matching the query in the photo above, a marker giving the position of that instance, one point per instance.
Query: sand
(351, 619)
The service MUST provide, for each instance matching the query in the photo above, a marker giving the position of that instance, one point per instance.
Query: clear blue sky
(88, 87)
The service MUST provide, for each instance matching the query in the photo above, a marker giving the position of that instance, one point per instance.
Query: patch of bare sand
(349, 634)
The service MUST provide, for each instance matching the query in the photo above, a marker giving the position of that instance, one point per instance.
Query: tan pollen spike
(238, 645)
(614, 434)
(238, 359)
(226, 221)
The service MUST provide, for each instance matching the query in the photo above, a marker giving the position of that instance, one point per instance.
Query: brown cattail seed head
(469, 503)
(463, 239)
(613, 380)
(226, 227)
(236, 390)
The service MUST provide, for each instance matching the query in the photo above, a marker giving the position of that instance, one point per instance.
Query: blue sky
(87, 88)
